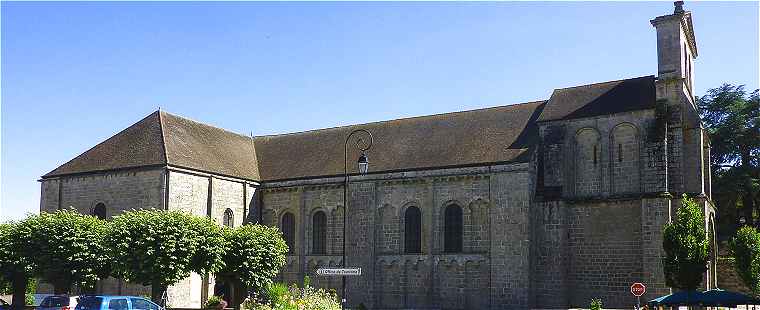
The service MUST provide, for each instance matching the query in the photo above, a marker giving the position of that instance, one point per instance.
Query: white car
(58, 302)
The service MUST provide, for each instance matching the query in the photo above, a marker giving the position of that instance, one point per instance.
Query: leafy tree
(732, 119)
(15, 269)
(67, 249)
(686, 247)
(745, 247)
(160, 248)
(255, 254)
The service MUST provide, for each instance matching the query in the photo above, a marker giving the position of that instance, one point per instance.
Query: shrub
(282, 297)
(745, 248)
(596, 304)
(212, 302)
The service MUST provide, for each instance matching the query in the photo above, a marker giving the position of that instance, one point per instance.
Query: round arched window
(99, 211)
(229, 218)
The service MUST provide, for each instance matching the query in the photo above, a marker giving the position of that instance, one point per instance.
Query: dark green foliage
(732, 119)
(686, 247)
(66, 248)
(255, 254)
(160, 248)
(745, 248)
(16, 269)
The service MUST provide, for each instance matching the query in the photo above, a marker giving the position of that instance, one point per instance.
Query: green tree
(745, 248)
(255, 254)
(160, 248)
(732, 119)
(16, 269)
(686, 247)
(66, 248)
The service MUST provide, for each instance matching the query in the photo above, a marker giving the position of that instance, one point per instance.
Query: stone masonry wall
(189, 192)
(491, 272)
(119, 191)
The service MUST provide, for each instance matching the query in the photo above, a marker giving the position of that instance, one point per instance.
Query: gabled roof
(139, 145)
(600, 99)
(165, 139)
(491, 135)
(504, 134)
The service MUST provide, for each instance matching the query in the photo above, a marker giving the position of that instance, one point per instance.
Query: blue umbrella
(719, 297)
(682, 298)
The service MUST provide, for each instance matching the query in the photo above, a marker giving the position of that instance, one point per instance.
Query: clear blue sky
(75, 74)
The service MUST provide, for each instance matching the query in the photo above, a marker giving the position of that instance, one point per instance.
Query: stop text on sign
(638, 289)
(339, 271)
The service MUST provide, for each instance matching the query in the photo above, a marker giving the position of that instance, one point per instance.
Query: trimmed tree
(686, 247)
(255, 254)
(745, 247)
(160, 248)
(67, 249)
(15, 269)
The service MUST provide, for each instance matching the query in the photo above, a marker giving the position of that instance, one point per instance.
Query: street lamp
(362, 165)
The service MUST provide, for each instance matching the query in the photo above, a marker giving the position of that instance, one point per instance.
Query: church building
(543, 204)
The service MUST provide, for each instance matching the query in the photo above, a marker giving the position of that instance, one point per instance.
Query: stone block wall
(118, 191)
(550, 255)
(604, 242)
(490, 272)
(599, 157)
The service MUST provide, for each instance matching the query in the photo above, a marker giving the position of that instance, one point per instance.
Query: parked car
(106, 302)
(4, 305)
(58, 302)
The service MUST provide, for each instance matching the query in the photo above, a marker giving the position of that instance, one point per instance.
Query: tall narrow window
(229, 218)
(412, 230)
(319, 233)
(595, 149)
(288, 228)
(620, 152)
(99, 211)
(452, 226)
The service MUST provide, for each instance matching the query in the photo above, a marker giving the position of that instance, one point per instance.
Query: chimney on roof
(679, 7)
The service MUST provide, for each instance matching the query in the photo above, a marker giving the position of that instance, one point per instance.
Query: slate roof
(600, 99)
(485, 136)
(165, 139)
(491, 135)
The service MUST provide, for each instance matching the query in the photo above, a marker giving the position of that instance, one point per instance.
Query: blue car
(107, 302)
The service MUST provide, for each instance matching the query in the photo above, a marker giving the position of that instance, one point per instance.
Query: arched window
(587, 162)
(412, 230)
(229, 218)
(99, 211)
(319, 233)
(625, 159)
(288, 228)
(452, 227)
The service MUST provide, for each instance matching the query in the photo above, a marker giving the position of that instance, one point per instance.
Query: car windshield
(89, 303)
(56, 301)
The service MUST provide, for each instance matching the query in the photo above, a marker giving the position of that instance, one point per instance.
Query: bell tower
(676, 51)
(676, 47)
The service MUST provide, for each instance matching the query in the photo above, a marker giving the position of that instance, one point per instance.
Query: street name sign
(339, 271)
(638, 289)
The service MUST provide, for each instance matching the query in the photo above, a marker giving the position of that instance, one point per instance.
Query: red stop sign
(638, 289)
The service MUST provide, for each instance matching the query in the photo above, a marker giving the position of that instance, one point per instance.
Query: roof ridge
(401, 119)
(606, 82)
(163, 135)
(205, 124)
